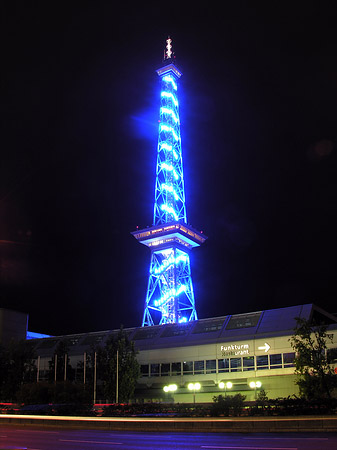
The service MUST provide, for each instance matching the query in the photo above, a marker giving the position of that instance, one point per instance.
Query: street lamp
(170, 388)
(194, 387)
(225, 386)
(255, 385)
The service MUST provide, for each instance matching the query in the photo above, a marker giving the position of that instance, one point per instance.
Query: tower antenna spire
(170, 296)
(168, 52)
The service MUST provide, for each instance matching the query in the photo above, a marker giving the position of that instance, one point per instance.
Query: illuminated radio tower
(170, 297)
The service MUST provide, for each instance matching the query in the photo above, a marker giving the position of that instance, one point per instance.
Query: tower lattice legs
(170, 296)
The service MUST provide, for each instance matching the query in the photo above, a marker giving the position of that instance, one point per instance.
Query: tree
(231, 404)
(128, 367)
(62, 358)
(315, 376)
(4, 369)
(262, 400)
(17, 367)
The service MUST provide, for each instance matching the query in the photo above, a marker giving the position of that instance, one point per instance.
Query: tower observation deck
(170, 296)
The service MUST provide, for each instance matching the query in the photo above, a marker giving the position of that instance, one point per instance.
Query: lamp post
(255, 385)
(170, 388)
(117, 377)
(225, 386)
(194, 387)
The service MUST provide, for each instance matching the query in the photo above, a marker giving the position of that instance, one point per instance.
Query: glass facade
(188, 367)
(176, 368)
(276, 361)
(262, 362)
(154, 370)
(237, 364)
(199, 367)
(211, 366)
(223, 365)
(248, 363)
(165, 369)
(332, 355)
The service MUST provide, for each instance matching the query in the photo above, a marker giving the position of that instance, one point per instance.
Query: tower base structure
(170, 296)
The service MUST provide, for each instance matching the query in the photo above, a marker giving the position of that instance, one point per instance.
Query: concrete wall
(13, 325)
(277, 382)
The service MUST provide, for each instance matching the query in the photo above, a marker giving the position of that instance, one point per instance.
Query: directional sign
(264, 347)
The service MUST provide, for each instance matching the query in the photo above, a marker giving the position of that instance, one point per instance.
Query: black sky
(80, 103)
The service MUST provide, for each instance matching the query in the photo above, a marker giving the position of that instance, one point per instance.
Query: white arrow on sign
(265, 347)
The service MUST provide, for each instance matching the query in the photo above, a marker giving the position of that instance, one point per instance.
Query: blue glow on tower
(170, 297)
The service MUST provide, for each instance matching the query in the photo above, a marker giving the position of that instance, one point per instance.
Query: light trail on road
(77, 439)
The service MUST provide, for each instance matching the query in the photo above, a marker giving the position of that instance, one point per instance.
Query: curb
(195, 425)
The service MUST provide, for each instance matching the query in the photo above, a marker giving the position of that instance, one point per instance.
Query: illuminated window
(262, 362)
(165, 369)
(211, 366)
(176, 368)
(223, 365)
(208, 326)
(243, 321)
(276, 361)
(235, 364)
(199, 367)
(155, 370)
(144, 370)
(187, 367)
(248, 363)
(288, 359)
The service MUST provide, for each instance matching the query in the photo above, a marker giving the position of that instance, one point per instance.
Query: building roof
(259, 324)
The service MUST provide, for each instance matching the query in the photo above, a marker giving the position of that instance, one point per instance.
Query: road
(58, 439)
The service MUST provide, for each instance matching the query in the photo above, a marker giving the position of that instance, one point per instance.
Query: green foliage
(60, 392)
(157, 410)
(18, 373)
(229, 405)
(128, 367)
(262, 399)
(261, 404)
(295, 406)
(62, 359)
(315, 376)
(16, 367)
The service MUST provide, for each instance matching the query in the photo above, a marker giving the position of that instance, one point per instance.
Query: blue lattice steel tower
(170, 297)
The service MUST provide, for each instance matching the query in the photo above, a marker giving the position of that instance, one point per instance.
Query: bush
(261, 405)
(62, 392)
(52, 409)
(156, 410)
(291, 406)
(230, 405)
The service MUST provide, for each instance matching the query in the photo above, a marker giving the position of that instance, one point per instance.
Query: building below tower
(228, 352)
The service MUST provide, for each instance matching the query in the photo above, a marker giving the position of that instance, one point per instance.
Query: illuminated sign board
(241, 349)
(235, 349)
(264, 347)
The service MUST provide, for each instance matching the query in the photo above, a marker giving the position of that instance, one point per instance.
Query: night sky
(80, 106)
